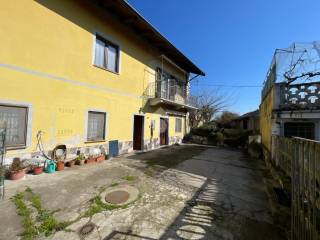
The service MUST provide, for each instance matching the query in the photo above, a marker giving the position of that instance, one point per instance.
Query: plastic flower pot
(15, 175)
(60, 166)
(101, 158)
(37, 170)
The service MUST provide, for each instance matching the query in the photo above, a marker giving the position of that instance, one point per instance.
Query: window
(299, 129)
(178, 125)
(106, 55)
(96, 126)
(15, 120)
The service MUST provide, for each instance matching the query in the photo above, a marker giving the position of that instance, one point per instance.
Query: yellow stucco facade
(266, 110)
(46, 64)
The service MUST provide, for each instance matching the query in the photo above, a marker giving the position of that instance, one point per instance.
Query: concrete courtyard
(183, 192)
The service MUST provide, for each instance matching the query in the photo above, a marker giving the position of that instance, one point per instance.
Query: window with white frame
(178, 125)
(106, 54)
(15, 120)
(96, 126)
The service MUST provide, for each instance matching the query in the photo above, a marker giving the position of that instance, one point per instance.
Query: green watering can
(50, 166)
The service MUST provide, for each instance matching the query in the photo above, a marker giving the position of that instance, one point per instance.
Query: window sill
(16, 148)
(95, 141)
(117, 73)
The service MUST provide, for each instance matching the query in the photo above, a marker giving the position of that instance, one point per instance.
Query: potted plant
(17, 169)
(71, 163)
(91, 159)
(60, 165)
(101, 158)
(80, 160)
(38, 169)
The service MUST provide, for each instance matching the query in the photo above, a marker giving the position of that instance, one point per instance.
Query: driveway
(179, 192)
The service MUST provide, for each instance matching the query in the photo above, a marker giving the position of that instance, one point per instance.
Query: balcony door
(172, 89)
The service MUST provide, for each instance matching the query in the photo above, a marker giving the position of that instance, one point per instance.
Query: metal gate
(299, 159)
(305, 178)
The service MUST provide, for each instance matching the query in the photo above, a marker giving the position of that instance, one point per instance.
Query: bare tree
(207, 106)
(298, 63)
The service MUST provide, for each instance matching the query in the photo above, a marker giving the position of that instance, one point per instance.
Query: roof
(131, 17)
(255, 113)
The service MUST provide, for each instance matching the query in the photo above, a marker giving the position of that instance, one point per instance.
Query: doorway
(164, 131)
(138, 128)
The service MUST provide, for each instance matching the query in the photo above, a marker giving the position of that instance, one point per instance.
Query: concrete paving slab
(186, 192)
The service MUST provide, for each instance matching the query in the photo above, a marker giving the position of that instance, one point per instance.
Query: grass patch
(97, 206)
(114, 184)
(43, 223)
(30, 231)
(129, 178)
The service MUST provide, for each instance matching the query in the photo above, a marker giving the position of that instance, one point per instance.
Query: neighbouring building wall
(266, 120)
(46, 64)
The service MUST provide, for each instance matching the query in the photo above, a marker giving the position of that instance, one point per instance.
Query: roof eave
(152, 34)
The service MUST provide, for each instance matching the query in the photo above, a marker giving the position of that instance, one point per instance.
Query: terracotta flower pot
(37, 170)
(15, 175)
(90, 160)
(80, 162)
(71, 163)
(101, 158)
(60, 166)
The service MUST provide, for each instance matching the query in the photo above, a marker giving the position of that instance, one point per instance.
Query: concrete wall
(46, 63)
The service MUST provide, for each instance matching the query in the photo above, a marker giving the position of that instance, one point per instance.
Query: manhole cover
(117, 197)
(87, 229)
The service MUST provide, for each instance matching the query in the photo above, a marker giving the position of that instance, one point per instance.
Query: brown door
(138, 132)
(164, 131)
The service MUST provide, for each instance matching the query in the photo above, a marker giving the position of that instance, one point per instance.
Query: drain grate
(87, 229)
(117, 197)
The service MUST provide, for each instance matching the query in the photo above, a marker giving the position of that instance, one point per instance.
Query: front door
(164, 131)
(138, 132)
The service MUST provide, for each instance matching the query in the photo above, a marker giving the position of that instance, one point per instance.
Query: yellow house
(88, 74)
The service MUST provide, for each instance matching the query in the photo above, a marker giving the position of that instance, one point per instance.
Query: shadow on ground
(169, 157)
(230, 204)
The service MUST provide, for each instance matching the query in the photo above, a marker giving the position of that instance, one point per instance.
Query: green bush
(231, 136)
(203, 131)
(236, 137)
(216, 138)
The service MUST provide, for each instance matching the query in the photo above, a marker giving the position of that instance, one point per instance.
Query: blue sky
(233, 41)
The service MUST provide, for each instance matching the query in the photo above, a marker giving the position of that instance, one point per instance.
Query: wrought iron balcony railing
(171, 91)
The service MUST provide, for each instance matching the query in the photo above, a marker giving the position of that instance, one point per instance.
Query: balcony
(302, 96)
(171, 93)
